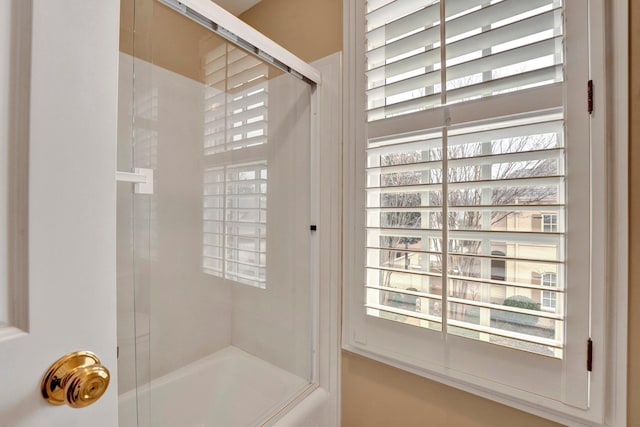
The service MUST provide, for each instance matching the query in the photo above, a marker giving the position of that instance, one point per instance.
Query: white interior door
(57, 274)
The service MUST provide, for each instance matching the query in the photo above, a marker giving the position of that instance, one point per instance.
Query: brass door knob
(77, 379)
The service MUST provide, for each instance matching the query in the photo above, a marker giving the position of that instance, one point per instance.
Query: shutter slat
(422, 40)
(507, 334)
(377, 76)
(410, 167)
(505, 308)
(480, 208)
(378, 96)
(476, 184)
(502, 85)
(457, 137)
(425, 18)
(490, 15)
(405, 107)
(394, 10)
(505, 284)
(377, 149)
(402, 312)
(550, 263)
(523, 156)
(517, 30)
(548, 239)
(406, 292)
(399, 270)
(509, 57)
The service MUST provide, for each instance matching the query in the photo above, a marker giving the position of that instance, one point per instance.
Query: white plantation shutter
(498, 177)
(490, 47)
(461, 163)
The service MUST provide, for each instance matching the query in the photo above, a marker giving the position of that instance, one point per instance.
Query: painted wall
(372, 392)
(376, 395)
(311, 29)
(154, 40)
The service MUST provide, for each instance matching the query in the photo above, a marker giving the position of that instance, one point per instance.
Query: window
(548, 298)
(470, 166)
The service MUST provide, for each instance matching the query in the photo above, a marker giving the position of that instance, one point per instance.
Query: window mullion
(444, 247)
(445, 232)
(443, 55)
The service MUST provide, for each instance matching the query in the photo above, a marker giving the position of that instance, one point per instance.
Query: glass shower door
(215, 267)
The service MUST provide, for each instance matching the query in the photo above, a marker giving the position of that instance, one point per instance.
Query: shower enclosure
(217, 257)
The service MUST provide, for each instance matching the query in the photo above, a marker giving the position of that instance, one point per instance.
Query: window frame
(605, 266)
(550, 227)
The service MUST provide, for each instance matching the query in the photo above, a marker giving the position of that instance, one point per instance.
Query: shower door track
(226, 25)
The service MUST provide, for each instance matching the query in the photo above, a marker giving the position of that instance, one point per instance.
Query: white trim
(617, 95)
(314, 214)
(215, 13)
(329, 234)
(321, 407)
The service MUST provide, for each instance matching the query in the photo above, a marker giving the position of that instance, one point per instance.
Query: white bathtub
(229, 388)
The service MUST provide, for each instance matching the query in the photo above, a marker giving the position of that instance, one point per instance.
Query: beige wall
(376, 395)
(311, 29)
(163, 37)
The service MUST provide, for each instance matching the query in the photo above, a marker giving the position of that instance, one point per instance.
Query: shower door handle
(141, 177)
(77, 379)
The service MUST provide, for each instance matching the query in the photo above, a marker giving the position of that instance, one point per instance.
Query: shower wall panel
(181, 313)
(275, 323)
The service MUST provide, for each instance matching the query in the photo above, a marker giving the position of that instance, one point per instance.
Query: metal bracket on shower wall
(141, 177)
